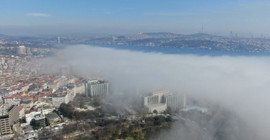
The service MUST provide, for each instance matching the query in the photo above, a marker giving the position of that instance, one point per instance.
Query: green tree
(158, 120)
(82, 105)
(130, 138)
(66, 110)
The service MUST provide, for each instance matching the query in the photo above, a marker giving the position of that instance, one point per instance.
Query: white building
(31, 115)
(21, 111)
(157, 107)
(3, 109)
(71, 93)
(11, 101)
(95, 88)
(79, 88)
(58, 99)
(174, 101)
(161, 100)
(21, 50)
(155, 102)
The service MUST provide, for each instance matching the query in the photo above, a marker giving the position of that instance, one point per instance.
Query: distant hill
(154, 39)
(173, 40)
(203, 35)
(4, 36)
(162, 34)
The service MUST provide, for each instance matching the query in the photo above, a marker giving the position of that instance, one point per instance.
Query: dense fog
(237, 84)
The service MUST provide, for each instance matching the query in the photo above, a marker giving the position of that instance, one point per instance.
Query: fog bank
(240, 83)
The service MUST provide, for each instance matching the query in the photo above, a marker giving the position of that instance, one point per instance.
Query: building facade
(58, 99)
(9, 119)
(156, 102)
(174, 101)
(21, 50)
(161, 100)
(96, 88)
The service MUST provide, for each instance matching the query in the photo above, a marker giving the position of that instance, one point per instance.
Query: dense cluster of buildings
(35, 100)
(28, 97)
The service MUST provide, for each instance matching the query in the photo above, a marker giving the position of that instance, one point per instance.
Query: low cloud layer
(240, 83)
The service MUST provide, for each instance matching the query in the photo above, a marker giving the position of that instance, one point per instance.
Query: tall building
(156, 102)
(161, 100)
(21, 50)
(4, 125)
(13, 113)
(174, 101)
(58, 40)
(9, 119)
(94, 88)
(155, 98)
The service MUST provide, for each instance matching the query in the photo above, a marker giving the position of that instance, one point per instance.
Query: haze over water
(166, 50)
(238, 83)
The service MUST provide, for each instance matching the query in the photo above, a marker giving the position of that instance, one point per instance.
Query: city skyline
(34, 17)
(134, 69)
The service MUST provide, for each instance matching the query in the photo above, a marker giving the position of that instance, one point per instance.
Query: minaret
(184, 102)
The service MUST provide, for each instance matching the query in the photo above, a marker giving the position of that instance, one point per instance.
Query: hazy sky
(130, 16)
